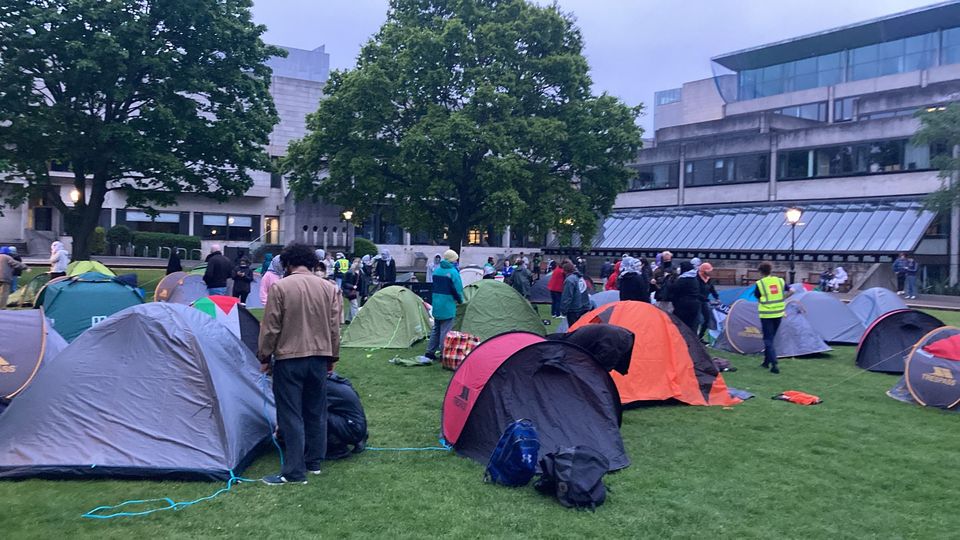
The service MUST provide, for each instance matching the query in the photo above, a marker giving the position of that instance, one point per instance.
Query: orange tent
(668, 361)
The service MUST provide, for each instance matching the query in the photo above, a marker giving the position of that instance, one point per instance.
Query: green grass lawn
(860, 465)
(147, 278)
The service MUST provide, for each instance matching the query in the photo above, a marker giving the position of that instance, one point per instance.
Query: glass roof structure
(835, 228)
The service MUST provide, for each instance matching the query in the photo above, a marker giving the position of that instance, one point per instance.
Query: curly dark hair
(298, 255)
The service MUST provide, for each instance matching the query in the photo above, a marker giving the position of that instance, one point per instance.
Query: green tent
(393, 318)
(76, 303)
(82, 267)
(492, 308)
(27, 293)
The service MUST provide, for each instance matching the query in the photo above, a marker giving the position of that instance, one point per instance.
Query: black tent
(562, 389)
(889, 340)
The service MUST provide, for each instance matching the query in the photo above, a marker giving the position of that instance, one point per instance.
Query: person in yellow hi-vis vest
(772, 293)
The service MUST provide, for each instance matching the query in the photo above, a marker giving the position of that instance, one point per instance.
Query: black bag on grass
(574, 476)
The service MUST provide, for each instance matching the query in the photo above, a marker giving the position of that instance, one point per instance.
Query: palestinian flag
(234, 316)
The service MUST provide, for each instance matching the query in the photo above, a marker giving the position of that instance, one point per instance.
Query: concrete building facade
(824, 121)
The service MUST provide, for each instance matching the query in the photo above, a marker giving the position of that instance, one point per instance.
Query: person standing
(633, 285)
(575, 299)
(273, 275)
(17, 272)
(350, 284)
(900, 270)
(613, 278)
(522, 279)
(685, 296)
(536, 266)
(605, 270)
(555, 286)
(910, 277)
(340, 267)
(59, 260)
(366, 278)
(707, 289)
(219, 269)
(664, 277)
(267, 259)
(173, 263)
(299, 340)
(447, 293)
(242, 278)
(386, 269)
(771, 292)
(432, 267)
(8, 265)
(489, 268)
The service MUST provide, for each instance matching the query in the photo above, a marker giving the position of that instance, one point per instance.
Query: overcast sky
(635, 47)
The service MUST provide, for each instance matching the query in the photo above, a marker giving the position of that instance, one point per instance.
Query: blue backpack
(514, 460)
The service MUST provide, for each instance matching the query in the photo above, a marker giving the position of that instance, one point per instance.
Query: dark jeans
(242, 295)
(300, 391)
(706, 317)
(574, 316)
(901, 278)
(555, 303)
(770, 327)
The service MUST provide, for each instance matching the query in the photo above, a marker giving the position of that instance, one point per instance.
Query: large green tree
(940, 127)
(469, 113)
(152, 97)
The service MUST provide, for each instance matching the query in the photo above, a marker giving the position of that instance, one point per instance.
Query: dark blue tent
(157, 390)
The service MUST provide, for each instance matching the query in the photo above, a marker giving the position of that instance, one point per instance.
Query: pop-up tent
(82, 267)
(26, 293)
(180, 288)
(604, 297)
(875, 302)
(78, 302)
(931, 371)
(557, 385)
(156, 391)
(729, 296)
(889, 340)
(470, 274)
(668, 360)
(831, 318)
(30, 342)
(393, 318)
(234, 316)
(492, 308)
(540, 295)
(741, 333)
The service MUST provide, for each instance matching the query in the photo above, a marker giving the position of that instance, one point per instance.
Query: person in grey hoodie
(574, 300)
(59, 259)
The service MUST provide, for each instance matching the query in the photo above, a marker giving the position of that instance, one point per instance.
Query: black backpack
(574, 476)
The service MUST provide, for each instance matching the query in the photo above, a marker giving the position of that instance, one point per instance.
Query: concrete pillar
(831, 97)
(189, 225)
(113, 217)
(772, 185)
(954, 233)
(505, 241)
(406, 237)
(25, 211)
(683, 173)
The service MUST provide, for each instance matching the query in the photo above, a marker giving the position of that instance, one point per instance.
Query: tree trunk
(86, 215)
(455, 236)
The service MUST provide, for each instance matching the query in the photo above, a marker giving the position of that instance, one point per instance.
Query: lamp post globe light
(793, 216)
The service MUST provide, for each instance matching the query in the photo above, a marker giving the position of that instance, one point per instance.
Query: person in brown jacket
(300, 333)
(7, 265)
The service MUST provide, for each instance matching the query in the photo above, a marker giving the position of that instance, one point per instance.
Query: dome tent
(931, 371)
(875, 302)
(76, 303)
(557, 385)
(668, 360)
(604, 297)
(26, 294)
(82, 267)
(206, 416)
(539, 294)
(470, 274)
(229, 312)
(491, 308)
(35, 344)
(741, 333)
(180, 288)
(889, 340)
(393, 318)
(831, 318)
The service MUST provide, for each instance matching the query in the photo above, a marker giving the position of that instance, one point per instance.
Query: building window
(727, 170)
(164, 222)
(473, 237)
(875, 157)
(666, 97)
(950, 50)
(230, 227)
(658, 176)
(824, 70)
(810, 111)
(276, 178)
(843, 109)
(271, 230)
(214, 227)
(897, 56)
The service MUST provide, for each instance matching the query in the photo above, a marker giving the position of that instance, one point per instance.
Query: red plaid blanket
(456, 347)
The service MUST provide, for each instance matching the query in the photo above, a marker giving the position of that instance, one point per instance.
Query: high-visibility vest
(343, 265)
(772, 305)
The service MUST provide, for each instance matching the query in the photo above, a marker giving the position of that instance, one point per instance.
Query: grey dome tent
(604, 297)
(889, 340)
(158, 390)
(35, 344)
(181, 288)
(831, 318)
(741, 332)
(875, 302)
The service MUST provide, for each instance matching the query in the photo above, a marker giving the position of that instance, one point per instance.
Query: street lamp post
(347, 216)
(793, 219)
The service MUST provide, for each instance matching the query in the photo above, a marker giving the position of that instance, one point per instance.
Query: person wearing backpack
(574, 300)
(521, 280)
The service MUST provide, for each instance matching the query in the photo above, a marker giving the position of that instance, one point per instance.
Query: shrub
(362, 246)
(119, 235)
(98, 241)
(154, 241)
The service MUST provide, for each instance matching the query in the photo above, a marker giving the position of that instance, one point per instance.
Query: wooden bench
(724, 276)
(813, 278)
(752, 276)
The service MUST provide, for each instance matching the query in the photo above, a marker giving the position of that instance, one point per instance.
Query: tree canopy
(153, 98)
(941, 127)
(468, 113)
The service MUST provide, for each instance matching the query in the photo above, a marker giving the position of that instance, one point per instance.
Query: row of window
(207, 226)
(895, 56)
(844, 160)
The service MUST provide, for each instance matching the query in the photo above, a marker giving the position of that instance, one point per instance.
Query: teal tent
(76, 303)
